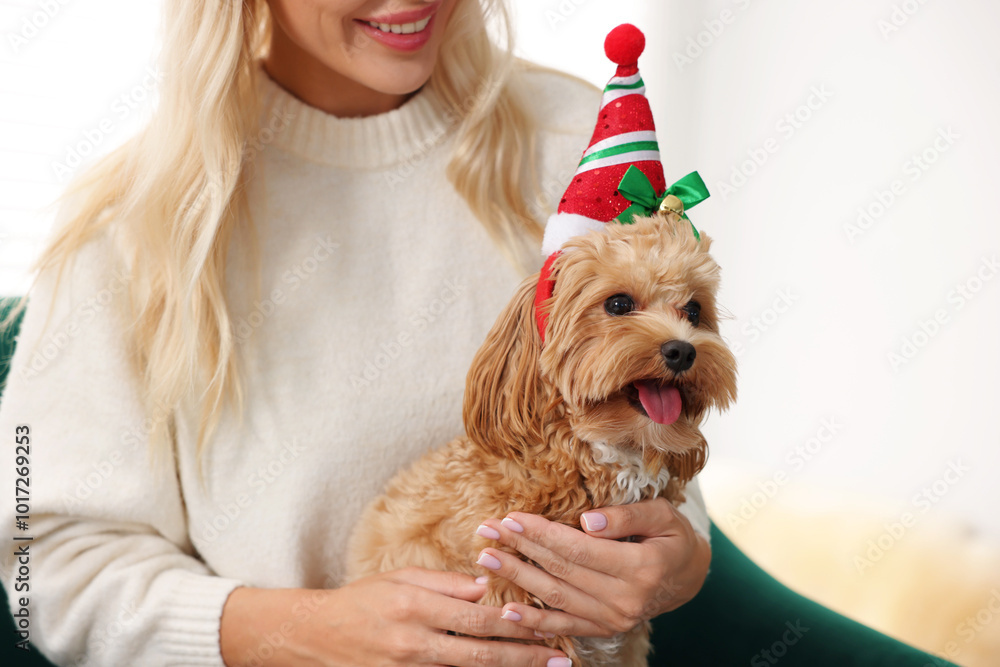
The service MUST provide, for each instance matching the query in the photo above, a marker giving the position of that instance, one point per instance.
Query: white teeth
(401, 28)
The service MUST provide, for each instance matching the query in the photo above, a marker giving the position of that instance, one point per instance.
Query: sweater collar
(371, 142)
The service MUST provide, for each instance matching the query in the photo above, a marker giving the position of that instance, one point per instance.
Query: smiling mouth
(662, 402)
(401, 28)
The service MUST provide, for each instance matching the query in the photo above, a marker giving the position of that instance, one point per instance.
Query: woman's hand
(395, 618)
(595, 585)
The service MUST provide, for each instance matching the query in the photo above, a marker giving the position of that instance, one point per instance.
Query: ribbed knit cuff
(189, 631)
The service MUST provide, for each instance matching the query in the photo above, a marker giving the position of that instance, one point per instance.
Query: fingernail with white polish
(559, 662)
(594, 521)
(544, 635)
(511, 615)
(487, 532)
(510, 524)
(488, 561)
(482, 580)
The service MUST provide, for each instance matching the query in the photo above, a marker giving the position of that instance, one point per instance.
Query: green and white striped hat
(624, 136)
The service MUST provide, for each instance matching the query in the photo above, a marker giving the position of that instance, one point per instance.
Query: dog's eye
(693, 310)
(619, 304)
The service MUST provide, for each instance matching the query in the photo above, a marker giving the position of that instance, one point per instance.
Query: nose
(679, 355)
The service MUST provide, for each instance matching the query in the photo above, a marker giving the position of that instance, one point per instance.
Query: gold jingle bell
(672, 204)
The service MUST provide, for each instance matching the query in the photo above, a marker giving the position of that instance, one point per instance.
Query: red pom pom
(624, 44)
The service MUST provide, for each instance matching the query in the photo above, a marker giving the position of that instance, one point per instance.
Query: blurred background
(851, 151)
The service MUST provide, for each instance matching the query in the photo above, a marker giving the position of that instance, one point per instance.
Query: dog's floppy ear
(503, 391)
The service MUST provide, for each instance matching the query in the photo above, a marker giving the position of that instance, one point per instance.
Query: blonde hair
(176, 191)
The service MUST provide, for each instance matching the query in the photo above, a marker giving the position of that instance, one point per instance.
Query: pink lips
(410, 42)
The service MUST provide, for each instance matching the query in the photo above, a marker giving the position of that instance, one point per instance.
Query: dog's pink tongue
(662, 404)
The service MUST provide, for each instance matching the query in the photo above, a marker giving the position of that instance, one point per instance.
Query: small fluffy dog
(605, 412)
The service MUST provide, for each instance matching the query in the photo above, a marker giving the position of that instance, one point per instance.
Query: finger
(452, 584)
(469, 618)
(563, 551)
(554, 592)
(469, 652)
(647, 518)
(552, 621)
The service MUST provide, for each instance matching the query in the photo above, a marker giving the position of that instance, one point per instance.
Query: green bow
(635, 187)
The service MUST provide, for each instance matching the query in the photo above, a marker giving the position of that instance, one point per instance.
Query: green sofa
(742, 616)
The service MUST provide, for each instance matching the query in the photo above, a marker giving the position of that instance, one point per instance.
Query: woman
(257, 310)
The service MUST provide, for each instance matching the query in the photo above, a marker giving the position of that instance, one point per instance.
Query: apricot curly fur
(532, 411)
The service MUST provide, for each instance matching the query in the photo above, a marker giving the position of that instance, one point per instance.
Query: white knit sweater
(378, 286)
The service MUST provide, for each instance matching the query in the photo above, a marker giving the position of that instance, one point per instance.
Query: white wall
(74, 82)
(891, 95)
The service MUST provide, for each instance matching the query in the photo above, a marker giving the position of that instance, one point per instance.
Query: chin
(399, 78)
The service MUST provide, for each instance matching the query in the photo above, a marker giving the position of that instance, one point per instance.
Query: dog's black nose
(679, 355)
